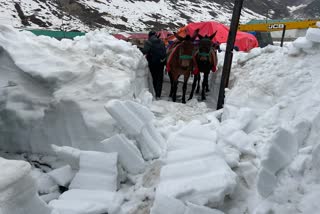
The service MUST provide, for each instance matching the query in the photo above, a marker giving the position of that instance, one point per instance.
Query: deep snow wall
(53, 92)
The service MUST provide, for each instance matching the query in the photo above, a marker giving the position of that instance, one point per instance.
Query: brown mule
(180, 62)
(205, 60)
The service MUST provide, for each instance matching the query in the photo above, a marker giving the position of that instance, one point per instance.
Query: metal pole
(229, 51)
(283, 34)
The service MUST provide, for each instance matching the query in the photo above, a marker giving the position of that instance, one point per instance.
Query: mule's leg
(174, 90)
(195, 80)
(207, 86)
(184, 88)
(198, 85)
(159, 81)
(171, 84)
(204, 85)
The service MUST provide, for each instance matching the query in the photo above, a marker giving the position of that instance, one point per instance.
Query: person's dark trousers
(157, 77)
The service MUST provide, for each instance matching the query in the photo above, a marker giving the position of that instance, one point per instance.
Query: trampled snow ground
(258, 155)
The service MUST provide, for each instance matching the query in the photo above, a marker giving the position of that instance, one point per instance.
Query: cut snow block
(313, 34)
(248, 171)
(200, 181)
(189, 154)
(167, 205)
(316, 160)
(299, 165)
(192, 135)
(18, 191)
(196, 209)
(282, 150)
(125, 117)
(303, 43)
(68, 154)
(275, 159)
(129, 155)
(89, 201)
(62, 176)
(141, 111)
(318, 24)
(155, 134)
(266, 182)
(230, 154)
(301, 131)
(241, 141)
(229, 126)
(98, 171)
(49, 197)
(245, 116)
(149, 147)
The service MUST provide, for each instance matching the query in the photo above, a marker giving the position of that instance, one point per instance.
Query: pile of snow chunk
(18, 190)
(307, 43)
(98, 170)
(79, 201)
(280, 152)
(194, 171)
(93, 188)
(136, 121)
(53, 92)
(280, 87)
(129, 155)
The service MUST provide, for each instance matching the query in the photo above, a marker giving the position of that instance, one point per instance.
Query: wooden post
(229, 51)
(283, 34)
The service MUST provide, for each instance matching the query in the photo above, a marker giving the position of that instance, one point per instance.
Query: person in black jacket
(155, 51)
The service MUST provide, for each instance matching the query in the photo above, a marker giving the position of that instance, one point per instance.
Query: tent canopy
(244, 41)
(144, 36)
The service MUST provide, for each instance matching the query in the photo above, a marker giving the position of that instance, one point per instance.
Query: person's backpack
(158, 52)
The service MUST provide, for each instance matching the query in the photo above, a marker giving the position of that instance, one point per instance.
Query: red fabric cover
(245, 41)
(195, 71)
(214, 68)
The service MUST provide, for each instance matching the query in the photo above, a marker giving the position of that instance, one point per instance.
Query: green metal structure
(56, 34)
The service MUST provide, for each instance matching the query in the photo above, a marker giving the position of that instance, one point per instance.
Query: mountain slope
(138, 15)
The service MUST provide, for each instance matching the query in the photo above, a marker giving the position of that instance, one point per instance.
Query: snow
(47, 81)
(129, 155)
(98, 171)
(303, 42)
(87, 202)
(136, 120)
(201, 181)
(45, 184)
(313, 35)
(164, 204)
(294, 8)
(259, 154)
(18, 189)
(62, 176)
(68, 154)
(132, 15)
